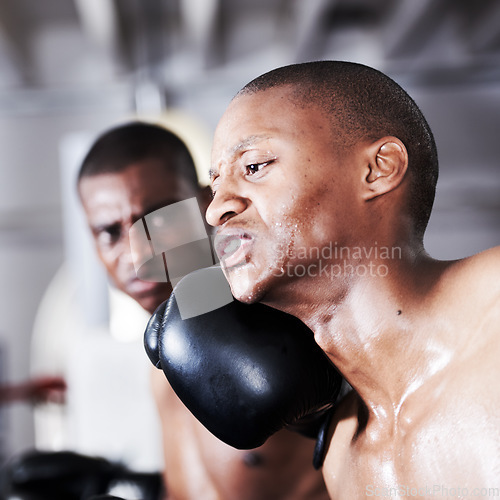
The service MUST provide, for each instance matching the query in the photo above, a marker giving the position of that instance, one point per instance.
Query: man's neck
(377, 333)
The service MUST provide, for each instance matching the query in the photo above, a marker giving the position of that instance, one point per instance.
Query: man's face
(112, 203)
(281, 187)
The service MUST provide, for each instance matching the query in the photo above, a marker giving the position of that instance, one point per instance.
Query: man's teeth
(232, 246)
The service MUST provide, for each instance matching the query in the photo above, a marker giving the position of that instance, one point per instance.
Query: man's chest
(448, 442)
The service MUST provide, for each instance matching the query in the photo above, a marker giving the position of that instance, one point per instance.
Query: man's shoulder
(478, 276)
(476, 286)
(485, 261)
(465, 303)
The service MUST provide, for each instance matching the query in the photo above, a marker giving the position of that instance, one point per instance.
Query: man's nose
(126, 255)
(137, 245)
(226, 204)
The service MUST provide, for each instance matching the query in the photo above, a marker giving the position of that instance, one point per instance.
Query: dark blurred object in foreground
(66, 475)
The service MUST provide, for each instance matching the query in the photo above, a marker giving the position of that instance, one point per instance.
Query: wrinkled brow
(249, 141)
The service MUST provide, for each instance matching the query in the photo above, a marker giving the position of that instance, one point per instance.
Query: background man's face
(281, 186)
(112, 203)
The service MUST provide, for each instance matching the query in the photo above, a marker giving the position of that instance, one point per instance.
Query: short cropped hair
(121, 146)
(363, 103)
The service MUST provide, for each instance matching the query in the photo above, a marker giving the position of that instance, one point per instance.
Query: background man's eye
(109, 235)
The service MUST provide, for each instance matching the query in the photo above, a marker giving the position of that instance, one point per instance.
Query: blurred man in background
(130, 172)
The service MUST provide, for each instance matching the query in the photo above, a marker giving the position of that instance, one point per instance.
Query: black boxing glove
(244, 371)
(66, 475)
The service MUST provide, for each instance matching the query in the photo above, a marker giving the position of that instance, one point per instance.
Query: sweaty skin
(417, 338)
(197, 465)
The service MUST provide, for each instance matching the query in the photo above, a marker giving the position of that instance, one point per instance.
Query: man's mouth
(139, 287)
(232, 248)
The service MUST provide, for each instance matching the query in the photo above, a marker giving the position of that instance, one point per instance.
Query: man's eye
(215, 185)
(254, 168)
(109, 235)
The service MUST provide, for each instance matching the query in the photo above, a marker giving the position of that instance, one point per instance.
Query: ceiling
(167, 50)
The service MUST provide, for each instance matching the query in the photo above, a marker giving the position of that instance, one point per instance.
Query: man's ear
(386, 166)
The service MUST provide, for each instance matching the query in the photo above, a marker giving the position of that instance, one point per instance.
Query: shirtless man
(129, 172)
(325, 173)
